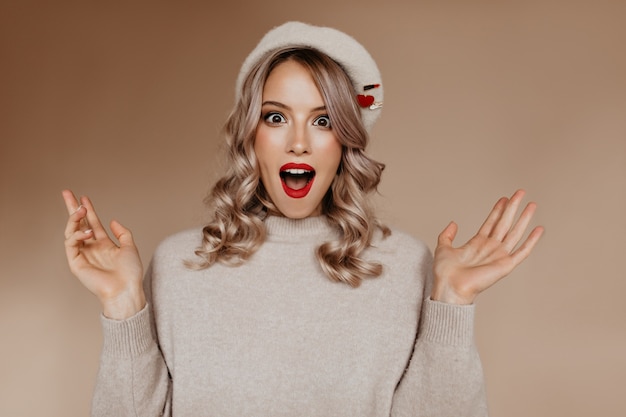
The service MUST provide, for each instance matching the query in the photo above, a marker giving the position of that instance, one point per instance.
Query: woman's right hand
(112, 272)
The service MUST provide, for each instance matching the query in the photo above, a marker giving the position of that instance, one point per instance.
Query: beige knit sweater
(274, 337)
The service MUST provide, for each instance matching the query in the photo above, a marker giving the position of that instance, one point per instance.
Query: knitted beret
(342, 48)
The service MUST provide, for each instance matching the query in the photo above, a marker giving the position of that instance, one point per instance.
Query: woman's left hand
(464, 272)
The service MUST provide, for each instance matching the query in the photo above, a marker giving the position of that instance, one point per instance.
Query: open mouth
(297, 179)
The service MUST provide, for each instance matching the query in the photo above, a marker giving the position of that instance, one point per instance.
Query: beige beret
(342, 48)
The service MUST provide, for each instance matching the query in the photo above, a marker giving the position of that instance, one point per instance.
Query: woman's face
(296, 147)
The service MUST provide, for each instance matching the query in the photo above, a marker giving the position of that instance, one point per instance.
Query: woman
(294, 299)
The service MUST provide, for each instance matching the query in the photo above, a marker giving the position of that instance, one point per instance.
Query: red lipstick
(294, 175)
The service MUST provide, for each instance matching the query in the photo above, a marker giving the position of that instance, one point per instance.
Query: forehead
(291, 81)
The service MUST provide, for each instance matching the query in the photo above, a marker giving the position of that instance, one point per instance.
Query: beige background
(124, 103)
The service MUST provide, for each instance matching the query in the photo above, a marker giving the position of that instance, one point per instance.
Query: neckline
(284, 228)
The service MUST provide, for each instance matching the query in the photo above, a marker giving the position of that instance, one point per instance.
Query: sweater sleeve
(133, 378)
(444, 376)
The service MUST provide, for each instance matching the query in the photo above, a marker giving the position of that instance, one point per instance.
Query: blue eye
(274, 118)
(322, 121)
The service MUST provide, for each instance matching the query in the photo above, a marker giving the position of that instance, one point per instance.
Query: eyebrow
(286, 107)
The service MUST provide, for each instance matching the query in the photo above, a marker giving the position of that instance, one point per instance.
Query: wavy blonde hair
(239, 202)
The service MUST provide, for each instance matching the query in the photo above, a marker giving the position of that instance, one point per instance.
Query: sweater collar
(284, 228)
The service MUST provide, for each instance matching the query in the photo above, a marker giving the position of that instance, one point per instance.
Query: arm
(444, 376)
(133, 378)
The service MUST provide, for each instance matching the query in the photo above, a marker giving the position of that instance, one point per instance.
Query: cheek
(333, 153)
(269, 141)
(258, 141)
(262, 147)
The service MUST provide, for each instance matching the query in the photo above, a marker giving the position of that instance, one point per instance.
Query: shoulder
(401, 244)
(407, 266)
(180, 245)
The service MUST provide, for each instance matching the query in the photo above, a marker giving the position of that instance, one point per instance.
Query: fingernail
(87, 231)
(78, 208)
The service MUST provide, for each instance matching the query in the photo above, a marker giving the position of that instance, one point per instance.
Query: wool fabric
(275, 337)
(355, 60)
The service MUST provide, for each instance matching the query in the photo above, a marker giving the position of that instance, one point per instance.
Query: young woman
(294, 299)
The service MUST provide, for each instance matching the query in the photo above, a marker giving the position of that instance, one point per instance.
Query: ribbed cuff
(127, 338)
(448, 324)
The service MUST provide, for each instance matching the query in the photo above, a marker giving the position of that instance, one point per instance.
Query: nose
(299, 143)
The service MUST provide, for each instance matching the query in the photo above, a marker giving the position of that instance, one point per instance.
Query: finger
(76, 222)
(122, 234)
(74, 243)
(493, 217)
(518, 230)
(72, 205)
(70, 201)
(446, 237)
(503, 225)
(526, 248)
(99, 232)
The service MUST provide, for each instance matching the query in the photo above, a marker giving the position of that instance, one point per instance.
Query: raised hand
(460, 274)
(113, 273)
